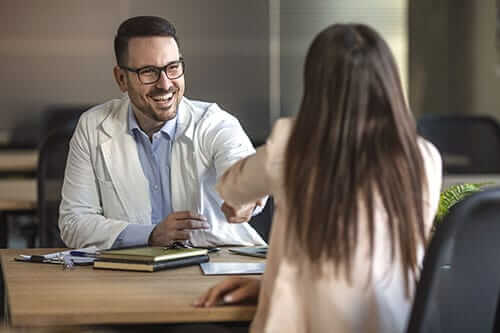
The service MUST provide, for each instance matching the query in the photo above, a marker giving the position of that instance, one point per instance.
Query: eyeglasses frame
(161, 69)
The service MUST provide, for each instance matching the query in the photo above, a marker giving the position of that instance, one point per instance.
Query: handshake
(177, 227)
(241, 213)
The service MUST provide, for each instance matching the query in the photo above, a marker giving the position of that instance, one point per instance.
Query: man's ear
(120, 78)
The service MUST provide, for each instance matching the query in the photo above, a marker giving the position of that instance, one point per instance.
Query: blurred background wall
(59, 52)
(454, 63)
(302, 20)
(245, 55)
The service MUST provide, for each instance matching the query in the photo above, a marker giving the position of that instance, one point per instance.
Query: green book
(150, 254)
(127, 265)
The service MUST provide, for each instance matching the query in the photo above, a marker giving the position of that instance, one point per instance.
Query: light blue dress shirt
(155, 161)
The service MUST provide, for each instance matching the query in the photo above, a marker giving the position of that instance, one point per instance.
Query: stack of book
(149, 259)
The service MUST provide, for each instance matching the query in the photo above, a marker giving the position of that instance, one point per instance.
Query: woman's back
(295, 298)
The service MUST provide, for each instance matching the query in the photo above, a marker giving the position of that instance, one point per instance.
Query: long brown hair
(353, 147)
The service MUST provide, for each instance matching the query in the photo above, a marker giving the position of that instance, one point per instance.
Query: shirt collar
(168, 128)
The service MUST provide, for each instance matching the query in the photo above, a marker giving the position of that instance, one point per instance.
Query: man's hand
(177, 227)
(239, 214)
(232, 290)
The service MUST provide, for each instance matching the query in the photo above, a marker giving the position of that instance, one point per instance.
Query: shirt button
(156, 187)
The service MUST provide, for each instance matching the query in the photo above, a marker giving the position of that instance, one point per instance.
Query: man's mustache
(157, 92)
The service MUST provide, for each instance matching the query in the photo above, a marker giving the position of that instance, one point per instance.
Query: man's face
(158, 101)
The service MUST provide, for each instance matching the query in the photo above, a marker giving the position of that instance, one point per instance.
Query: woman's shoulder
(433, 165)
(284, 125)
(274, 151)
(430, 153)
(281, 132)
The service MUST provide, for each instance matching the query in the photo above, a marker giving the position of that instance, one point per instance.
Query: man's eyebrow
(168, 63)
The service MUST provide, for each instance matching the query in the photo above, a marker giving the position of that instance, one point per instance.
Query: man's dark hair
(140, 26)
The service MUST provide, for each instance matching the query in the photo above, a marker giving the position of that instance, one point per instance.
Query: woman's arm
(246, 181)
(253, 177)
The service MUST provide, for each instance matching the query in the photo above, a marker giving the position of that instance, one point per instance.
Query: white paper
(232, 268)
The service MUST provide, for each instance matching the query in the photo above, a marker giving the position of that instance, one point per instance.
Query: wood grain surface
(46, 295)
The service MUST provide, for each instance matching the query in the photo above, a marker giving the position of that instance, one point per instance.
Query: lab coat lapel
(183, 172)
(122, 160)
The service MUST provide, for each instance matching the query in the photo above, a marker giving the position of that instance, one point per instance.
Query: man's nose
(164, 81)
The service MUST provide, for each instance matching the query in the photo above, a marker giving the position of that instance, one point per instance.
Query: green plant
(451, 196)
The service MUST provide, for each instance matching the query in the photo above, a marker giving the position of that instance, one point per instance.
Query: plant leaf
(452, 195)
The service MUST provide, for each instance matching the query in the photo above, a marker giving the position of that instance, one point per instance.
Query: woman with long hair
(355, 188)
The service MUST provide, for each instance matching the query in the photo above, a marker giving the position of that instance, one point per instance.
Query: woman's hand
(242, 213)
(232, 290)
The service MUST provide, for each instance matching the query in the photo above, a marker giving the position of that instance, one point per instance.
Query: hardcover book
(127, 265)
(151, 254)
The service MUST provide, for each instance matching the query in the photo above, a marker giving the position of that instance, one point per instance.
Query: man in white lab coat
(141, 169)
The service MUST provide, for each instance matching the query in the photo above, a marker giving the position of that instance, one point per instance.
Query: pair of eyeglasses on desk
(177, 245)
(186, 245)
(67, 263)
(63, 259)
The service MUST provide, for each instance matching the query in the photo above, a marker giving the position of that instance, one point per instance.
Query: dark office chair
(61, 118)
(262, 222)
(459, 285)
(28, 136)
(51, 165)
(468, 144)
(28, 133)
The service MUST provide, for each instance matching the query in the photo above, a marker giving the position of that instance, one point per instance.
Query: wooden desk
(18, 160)
(45, 295)
(17, 193)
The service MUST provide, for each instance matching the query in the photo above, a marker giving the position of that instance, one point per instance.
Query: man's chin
(165, 115)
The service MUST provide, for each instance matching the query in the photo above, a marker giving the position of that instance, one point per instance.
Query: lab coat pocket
(110, 202)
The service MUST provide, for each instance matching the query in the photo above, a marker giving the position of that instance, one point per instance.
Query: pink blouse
(292, 298)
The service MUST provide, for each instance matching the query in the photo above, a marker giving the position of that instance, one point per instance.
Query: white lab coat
(105, 188)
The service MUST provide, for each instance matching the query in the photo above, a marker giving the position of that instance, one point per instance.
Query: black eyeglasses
(152, 74)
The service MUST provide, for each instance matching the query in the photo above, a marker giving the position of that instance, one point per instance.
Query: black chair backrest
(51, 166)
(468, 144)
(61, 118)
(459, 285)
(29, 133)
(262, 222)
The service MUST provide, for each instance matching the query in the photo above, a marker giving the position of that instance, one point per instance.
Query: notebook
(127, 265)
(150, 254)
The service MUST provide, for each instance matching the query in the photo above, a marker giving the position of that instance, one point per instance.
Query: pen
(82, 254)
(35, 258)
